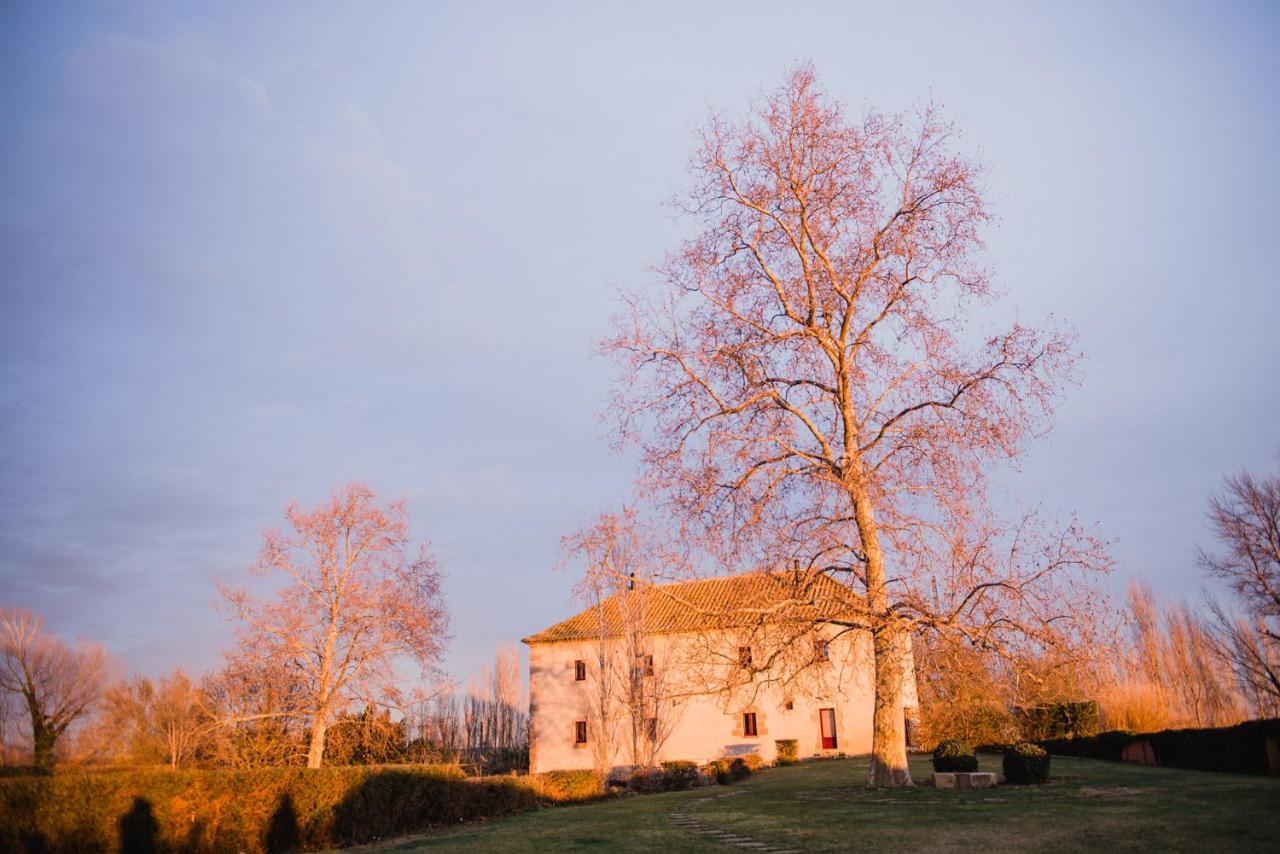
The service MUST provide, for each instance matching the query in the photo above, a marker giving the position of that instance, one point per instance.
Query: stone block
(961, 780)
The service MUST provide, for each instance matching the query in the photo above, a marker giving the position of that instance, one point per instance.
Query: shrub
(1059, 720)
(561, 786)
(954, 756)
(680, 775)
(253, 811)
(788, 751)
(719, 769)
(647, 781)
(1026, 763)
(731, 770)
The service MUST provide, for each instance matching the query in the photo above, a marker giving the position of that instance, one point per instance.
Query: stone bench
(964, 780)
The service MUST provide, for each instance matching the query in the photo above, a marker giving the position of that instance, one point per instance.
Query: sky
(251, 252)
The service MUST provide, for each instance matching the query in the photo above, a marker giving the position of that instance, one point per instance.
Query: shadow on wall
(733, 750)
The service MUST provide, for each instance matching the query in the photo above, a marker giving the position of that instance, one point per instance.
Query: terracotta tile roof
(716, 603)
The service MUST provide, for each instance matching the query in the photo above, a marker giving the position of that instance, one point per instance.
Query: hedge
(566, 786)
(1242, 748)
(266, 810)
(788, 751)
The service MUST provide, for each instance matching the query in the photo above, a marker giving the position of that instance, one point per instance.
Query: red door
(827, 717)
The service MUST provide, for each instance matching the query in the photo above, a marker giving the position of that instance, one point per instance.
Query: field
(820, 806)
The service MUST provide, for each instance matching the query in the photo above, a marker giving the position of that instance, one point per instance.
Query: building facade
(705, 669)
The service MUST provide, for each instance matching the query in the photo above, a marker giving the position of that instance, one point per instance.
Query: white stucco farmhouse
(705, 669)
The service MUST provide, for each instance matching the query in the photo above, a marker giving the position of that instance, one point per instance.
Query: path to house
(1087, 807)
(680, 818)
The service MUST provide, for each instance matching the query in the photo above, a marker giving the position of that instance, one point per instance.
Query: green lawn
(821, 806)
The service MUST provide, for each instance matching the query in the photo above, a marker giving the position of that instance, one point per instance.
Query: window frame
(745, 657)
(579, 670)
(580, 732)
(750, 725)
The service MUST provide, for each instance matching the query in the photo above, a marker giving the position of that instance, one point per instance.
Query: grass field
(821, 806)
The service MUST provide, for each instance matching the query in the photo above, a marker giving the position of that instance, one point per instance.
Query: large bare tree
(1245, 518)
(355, 601)
(806, 390)
(57, 683)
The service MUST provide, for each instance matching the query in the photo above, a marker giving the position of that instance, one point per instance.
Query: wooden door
(827, 718)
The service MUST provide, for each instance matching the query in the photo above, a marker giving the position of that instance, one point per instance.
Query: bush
(731, 770)
(788, 751)
(680, 775)
(253, 811)
(719, 769)
(1059, 720)
(561, 786)
(954, 756)
(1241, 749)
(647, 781)
(1026, 763)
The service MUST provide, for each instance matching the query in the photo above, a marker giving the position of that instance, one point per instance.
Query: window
(646, 662)
(749, 724)
(651, 729)
(580, 732)
(744, 656)
(821, 650)
(580, 671)
(788, 704)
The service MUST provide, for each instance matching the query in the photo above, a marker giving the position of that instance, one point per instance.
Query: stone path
(681, 818)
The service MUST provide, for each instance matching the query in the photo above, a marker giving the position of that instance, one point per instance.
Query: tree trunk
(43, 741)
(315, 756)
(888, 735)
(43, 734)
(888, 732)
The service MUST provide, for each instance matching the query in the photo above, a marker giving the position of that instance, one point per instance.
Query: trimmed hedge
(1242, 749)
(265, 810)
(954, 756)
(788, 751)
(1026, 763)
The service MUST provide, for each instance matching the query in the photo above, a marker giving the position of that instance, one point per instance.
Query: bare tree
(167, 720)
(630, 684)
(57, 683)
(803, 391)
(495, 715)
(258, 707)
(355, 602)
(1245, 518)
(1170, 673)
